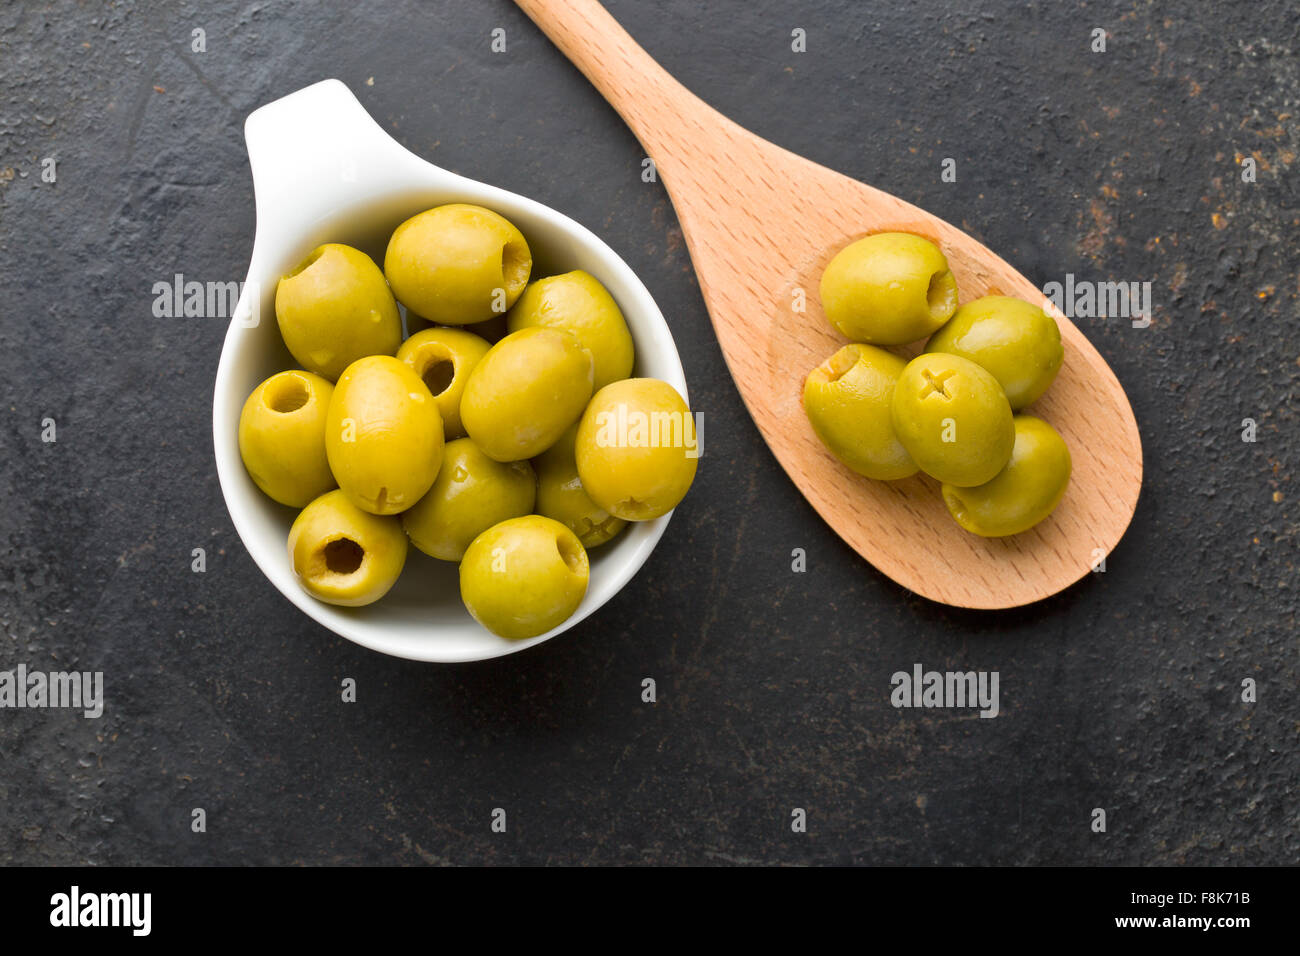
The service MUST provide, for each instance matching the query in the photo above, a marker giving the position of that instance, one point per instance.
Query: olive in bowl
(343, 555)
(637, 449)
(560, 494)
(525, 392)
(444, 358)
(524, 576)
(303, 202)
(333, 308)
(458, 264)
(383, 435)
(282, 437)
(577, 303)
(471, 493)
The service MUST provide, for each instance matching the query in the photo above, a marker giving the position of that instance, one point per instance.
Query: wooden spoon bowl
(761, 223)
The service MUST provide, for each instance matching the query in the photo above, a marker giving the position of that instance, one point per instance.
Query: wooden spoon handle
(653, 104)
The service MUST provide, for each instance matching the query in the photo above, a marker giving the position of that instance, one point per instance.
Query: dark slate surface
(1122, 693)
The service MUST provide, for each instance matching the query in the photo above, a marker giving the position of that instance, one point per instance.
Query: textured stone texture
(1121, 693)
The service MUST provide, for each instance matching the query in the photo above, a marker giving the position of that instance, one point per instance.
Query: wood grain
(761, 223)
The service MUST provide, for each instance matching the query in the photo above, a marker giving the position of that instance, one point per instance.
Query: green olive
(637, 448)
(343, 555)
(335, 308)
(1014, 340)
(560, 494)
(471, 494)
(282, 437)
(1025, 492)
(848, 399)
(953, 418)
(444, 358)
(525, 392)
(457, 264)
(524, 576)
(888, 289)
(383, 435)
(577, 303)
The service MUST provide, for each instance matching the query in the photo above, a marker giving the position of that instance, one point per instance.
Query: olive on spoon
(761, 223)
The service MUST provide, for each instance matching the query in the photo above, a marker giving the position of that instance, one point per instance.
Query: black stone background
(1121, 693)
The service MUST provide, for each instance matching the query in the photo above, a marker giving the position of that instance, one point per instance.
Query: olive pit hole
(516, 264)
(343, 556)
(934, 384)
(287, 395)
(572, 555)
(438, 375)
(941, 296)
(839, 364)
(307, 263)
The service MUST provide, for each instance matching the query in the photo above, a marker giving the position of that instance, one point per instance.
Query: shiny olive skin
(282, 437)
(1025, 492)
(524, 576)
(848, 400)
(335, 308)
(383, 435)
(577, 303)
(888, 289)
(525, 392)
(637, 449)
(471, 494)
(953, 418)
(343, 555)
(443, 359)
(457, 264)
(560, 494)
(1016, 341)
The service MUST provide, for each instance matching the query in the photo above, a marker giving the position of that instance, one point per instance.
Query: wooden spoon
(761, 223)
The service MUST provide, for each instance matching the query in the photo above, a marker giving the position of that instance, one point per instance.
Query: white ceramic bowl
(324, 171)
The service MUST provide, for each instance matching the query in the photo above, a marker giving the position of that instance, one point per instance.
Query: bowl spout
(317, 149)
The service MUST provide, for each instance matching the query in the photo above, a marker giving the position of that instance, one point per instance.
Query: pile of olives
(483, 438)
(951, 412)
